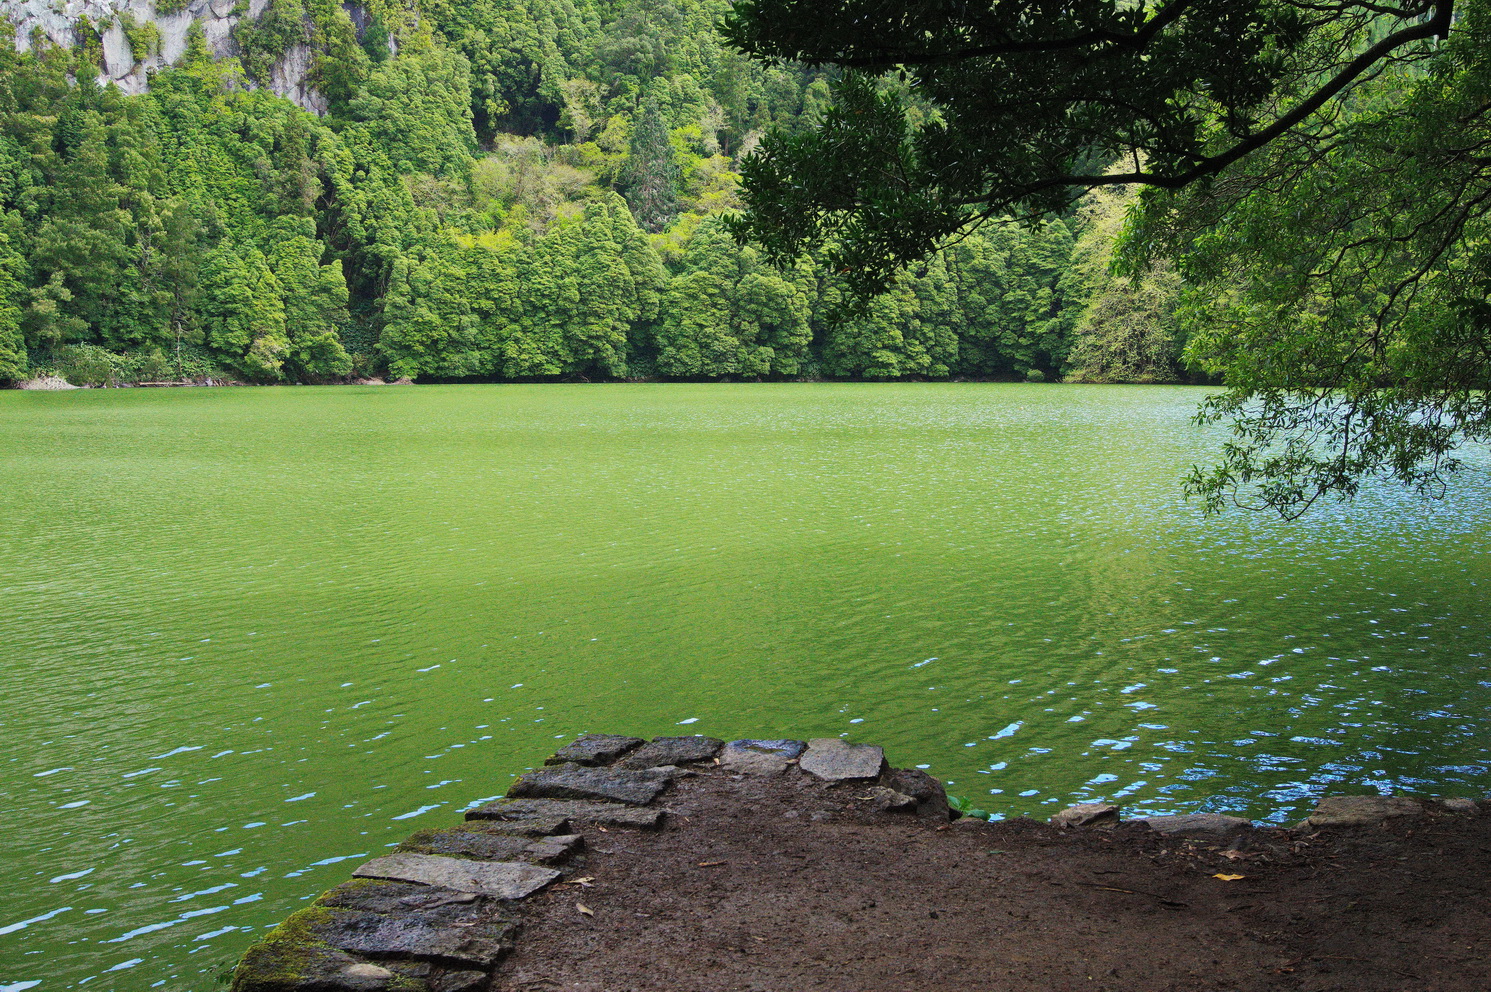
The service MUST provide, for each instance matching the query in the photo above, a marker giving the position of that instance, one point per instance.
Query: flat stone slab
(1086, 815)
(788, 749)
(635, 788)
(672, 751)
(529, 826)
(835, 760)
(1361, 811)
(499, 879)
(371, 895)
(492, 845)
(594, 749)
(457, 934)
(569, 811)
(753, 757)
(1196, 824)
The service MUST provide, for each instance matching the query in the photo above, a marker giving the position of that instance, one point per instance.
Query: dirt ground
(785, 884)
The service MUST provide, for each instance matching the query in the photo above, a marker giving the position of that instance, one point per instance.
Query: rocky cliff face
(57, 21)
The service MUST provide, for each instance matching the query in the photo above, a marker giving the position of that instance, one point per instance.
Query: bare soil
(784, 884)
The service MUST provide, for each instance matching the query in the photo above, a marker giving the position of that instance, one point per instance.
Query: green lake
(253, 637)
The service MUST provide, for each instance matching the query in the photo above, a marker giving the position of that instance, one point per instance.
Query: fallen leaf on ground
(584, 909)
(710, 864)
(583, 882)
(1229, 878)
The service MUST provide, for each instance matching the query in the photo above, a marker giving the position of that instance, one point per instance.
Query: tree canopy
(1316, 170)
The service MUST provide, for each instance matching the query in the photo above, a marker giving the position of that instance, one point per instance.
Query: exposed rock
(218, 33)
(754, 757)
(46, 383)
(119, 58)
(473, 841)
(1196, 824)
(673, 751)
(499, 879)
(635, 788)
(1361, 811)
(931, 798)
(456, 934)
(1461, 805)
(1086, 815)
(290, 77)
(56, 21)
(834, 760)
(595, 749)
(569, 811)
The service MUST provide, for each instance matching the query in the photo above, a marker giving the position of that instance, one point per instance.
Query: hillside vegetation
(506, 189)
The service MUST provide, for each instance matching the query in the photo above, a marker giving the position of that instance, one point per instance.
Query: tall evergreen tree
(652, 174)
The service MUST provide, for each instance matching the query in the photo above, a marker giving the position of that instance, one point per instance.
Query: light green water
(251, 637)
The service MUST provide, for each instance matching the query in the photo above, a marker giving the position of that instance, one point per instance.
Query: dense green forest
(506, 189)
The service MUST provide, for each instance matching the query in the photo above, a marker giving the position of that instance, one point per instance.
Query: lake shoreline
(691, 864)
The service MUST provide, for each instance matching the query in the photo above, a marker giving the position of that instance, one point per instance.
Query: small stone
(475, 842)
(579, 782)
(1361, 811)
(673, 751)
(1196, 824)
(931, 798)
(570, 811)
(835, 760)
(966, 823)
(1086, 815)
(499, 879)
(886, 800)
(753, 757)
(594, 749)
(1462, 805)
(366, 970)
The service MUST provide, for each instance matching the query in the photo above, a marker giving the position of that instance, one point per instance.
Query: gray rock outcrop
(57, 22)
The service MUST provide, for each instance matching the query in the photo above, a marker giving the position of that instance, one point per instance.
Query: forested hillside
(503, 189)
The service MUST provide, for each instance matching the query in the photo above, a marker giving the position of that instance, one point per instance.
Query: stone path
(440, 913)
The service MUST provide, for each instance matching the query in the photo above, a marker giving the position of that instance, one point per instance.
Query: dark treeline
(499, 189)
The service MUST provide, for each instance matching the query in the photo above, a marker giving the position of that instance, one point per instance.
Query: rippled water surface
(251, 637)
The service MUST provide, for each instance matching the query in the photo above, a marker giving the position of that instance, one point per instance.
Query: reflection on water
(253, 635)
